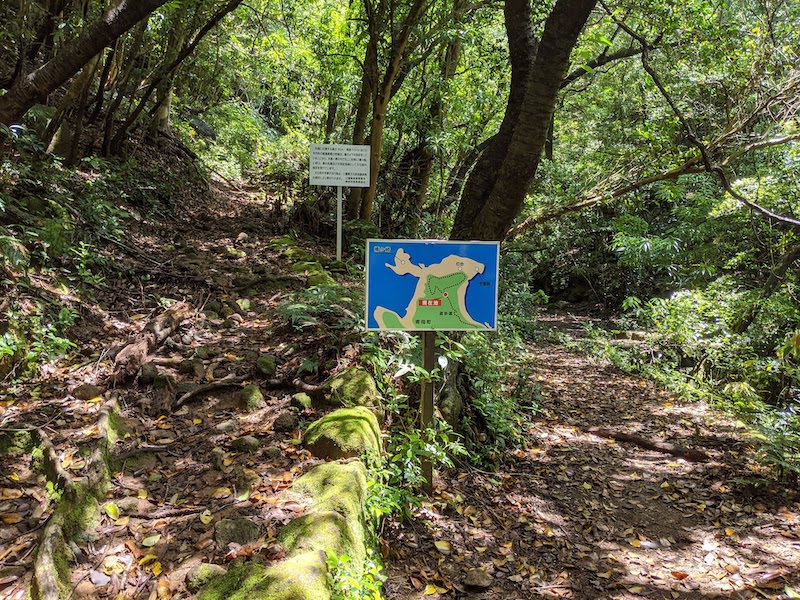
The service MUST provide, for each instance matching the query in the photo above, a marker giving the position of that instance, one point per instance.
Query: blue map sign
(432, 285)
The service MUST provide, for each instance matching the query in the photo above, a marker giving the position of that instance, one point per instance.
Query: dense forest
(175, 330)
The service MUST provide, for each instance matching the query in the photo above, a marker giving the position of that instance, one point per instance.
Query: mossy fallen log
(344, 433)
(336, 520)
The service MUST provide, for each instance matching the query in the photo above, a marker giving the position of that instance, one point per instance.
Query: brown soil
(177, 473)
(574, 515)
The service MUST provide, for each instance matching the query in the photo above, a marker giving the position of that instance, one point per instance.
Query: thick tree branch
(38, 84)
(610, 188)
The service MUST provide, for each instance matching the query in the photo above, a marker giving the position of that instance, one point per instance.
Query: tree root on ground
(658, 446)
(80, 498)
(130, 359)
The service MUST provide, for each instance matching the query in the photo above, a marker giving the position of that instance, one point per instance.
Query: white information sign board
(339, 165)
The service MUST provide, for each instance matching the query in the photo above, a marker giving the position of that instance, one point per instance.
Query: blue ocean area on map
(387, 289)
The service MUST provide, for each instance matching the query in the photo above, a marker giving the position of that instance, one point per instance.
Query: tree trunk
(497, 187)
(330, 119)
(369, 80)
(381, 102)
(37, 85)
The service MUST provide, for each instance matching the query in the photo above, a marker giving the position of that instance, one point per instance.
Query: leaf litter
(577, 516)
(177, 475)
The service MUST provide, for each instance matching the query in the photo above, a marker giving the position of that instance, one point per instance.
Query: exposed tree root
(79, 500)
(133, 355)
(666, 447)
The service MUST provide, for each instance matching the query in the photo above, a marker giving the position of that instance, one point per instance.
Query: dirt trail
(575, 515)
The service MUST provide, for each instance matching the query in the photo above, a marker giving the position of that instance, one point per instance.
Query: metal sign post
(339, 165)
(426, 402)
(338, 222)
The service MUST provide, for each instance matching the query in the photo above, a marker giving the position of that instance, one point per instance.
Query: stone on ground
(344, 433)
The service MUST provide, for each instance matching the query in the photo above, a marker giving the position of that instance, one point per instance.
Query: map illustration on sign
(429, 285)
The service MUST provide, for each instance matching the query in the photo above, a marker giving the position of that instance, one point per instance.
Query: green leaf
(111, 510)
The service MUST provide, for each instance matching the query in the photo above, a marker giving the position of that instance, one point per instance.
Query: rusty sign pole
(426, 403)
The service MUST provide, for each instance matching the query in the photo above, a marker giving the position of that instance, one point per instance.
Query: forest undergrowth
(570, 478)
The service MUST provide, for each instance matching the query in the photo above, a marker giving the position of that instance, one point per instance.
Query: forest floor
(573, 514)
(176, 473)
(577, 514)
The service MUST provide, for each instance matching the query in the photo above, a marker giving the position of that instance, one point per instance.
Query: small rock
(266, 365)
(213, 305)
(226, 426)
(191, 366)
(201, 574)
(246, 443)
(272, 452)
(251, 398)
(478, 578)
(148, 373)
(87, 391)
(242, 237)
(285, 422)
(218, 458)
(134, 504)
(237, 531)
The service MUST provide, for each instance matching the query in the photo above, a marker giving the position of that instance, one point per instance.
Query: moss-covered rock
(266, 365)
(237, 531)
(251, 398)
(246, 443)
(310, 266)
(302, 401)
(355, 387)
(301, 577)
(201, 574)
(284, 241)
(296, 254)
(344, 433)
(336, 519)
(148, 373)
(321, 279)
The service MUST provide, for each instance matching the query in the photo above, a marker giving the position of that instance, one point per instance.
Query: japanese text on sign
(339, 165)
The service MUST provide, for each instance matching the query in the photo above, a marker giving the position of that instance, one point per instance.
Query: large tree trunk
(37, 85)
(496, 189)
